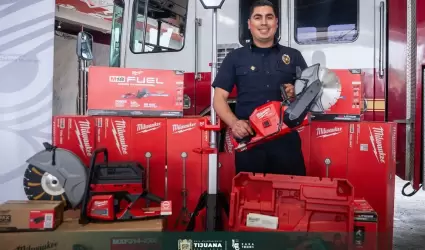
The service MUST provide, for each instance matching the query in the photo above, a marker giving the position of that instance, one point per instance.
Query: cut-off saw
(316, 90)
(105, 191)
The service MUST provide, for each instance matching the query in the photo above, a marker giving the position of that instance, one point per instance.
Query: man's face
(263, 23)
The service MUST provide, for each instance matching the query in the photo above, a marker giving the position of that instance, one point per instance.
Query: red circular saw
(316, 89)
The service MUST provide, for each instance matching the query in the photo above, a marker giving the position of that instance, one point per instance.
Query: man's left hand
(290, 90)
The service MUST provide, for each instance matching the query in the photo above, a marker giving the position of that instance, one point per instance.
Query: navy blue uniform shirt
(258, 74)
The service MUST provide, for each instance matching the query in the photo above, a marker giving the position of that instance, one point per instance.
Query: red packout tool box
(76, 134)
(135, 92)
(281, 203)
(350, 104)
(365, 226)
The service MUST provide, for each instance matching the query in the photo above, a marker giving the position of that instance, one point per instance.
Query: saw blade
(331, 91)
(39, 185)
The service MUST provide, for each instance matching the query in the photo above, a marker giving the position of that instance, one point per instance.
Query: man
(258, 70)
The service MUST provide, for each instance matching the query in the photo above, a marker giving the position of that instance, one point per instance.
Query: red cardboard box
(114, 134)
(328, 142)
(149, 138)
(365, 226)
(76, 134)
(184, 135)
(371, 170)
(365, 154)
(135, 92)
(350, 104)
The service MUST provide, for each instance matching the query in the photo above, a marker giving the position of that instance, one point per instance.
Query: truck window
(165, 26)
(117, 19)
(330, 21)
(244, 9)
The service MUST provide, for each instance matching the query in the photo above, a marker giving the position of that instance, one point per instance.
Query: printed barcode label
(48, 220)
(364, 147)
(62, 123)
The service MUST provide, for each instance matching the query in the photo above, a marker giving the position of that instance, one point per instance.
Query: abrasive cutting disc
(39, 185)
(331, 90)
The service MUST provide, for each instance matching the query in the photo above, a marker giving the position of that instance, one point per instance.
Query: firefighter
(258, 69)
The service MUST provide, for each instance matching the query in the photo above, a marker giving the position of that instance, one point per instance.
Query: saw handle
(84, 219)
(94, 157)
(285, 97)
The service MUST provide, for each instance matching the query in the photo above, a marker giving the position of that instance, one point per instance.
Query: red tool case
(291, 204)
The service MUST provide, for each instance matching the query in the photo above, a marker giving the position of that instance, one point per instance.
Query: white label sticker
(262, 221)
(364, 147)
(48, 220)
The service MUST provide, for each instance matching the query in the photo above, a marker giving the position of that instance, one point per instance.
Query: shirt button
(268, 86)
(263, 54)
(268, 100)
(268, 72)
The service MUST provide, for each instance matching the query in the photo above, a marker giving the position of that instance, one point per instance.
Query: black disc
(34, 190)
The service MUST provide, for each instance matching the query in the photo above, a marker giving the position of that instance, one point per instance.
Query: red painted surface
(396, 101)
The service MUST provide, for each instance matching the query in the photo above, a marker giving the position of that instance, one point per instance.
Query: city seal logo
(286, 59)
(185, 244)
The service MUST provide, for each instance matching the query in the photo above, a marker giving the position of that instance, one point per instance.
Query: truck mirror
(85, 46)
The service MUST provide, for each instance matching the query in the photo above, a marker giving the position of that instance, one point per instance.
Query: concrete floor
(409, 219)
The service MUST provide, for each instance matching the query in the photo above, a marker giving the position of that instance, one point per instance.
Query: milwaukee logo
(118, 130)
(263, 113)
(82, 130)
(100, 203)
(48, 245)
(181, 128)
(229, 144)
(144, 128)
(376, 136)
(326, 132)
(136, 80)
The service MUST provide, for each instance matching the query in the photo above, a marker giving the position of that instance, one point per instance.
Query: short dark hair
(261, 3)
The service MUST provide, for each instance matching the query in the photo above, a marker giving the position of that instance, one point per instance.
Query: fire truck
(384, 39)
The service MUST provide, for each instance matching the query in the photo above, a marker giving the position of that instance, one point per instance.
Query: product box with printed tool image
(328, 153)
(31, 215)
(374, 143)
(76, 134)
(345, 99)
(149, 138)
(361, 152)
(135, 92)
(184, 169)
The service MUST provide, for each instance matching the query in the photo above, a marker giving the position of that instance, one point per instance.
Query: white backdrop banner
(26, 89)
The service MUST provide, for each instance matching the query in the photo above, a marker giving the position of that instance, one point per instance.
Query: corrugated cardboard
(92, 236)
(31, 215)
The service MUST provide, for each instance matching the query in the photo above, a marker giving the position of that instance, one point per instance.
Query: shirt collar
(274, 46)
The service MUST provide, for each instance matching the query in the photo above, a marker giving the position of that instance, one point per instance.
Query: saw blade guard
(331, 87)
(67, 168)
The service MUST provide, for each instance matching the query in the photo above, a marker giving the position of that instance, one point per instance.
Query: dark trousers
(281, 156)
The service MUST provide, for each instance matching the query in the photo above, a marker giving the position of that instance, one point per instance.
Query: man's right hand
(241, 129)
